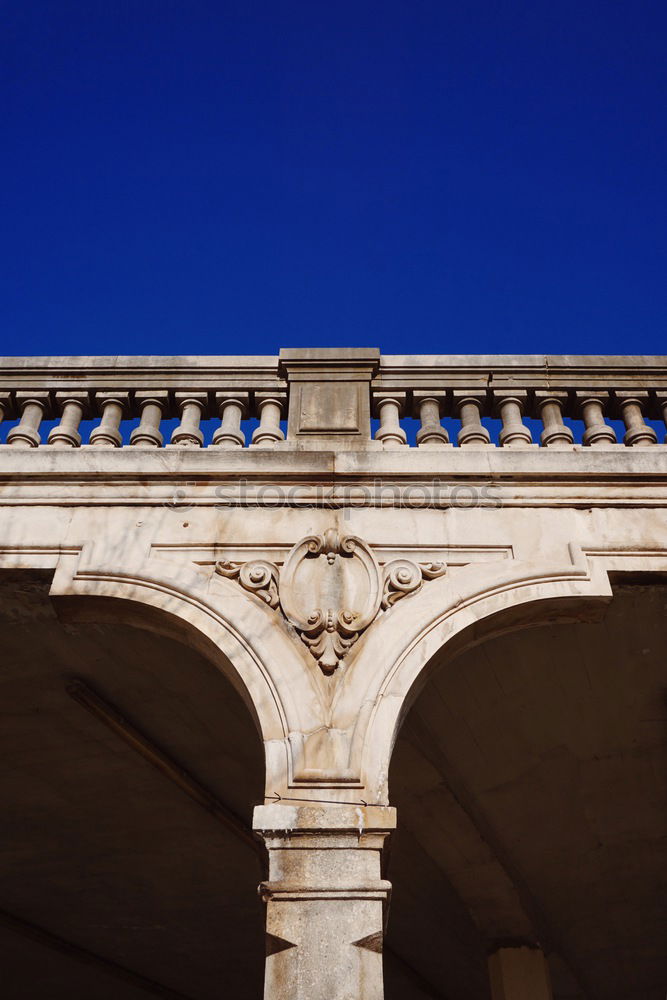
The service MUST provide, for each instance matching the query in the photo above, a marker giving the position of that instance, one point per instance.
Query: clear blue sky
(424, 176)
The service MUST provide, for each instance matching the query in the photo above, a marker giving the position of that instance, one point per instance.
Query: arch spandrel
(452, 614)
(236, 632)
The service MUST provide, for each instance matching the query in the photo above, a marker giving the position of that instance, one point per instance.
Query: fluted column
(325, 900)
(153, 406)
(389, 409)
(191, 405)
(598, 433)
(232, 407)
(469, 407)
(550, 407)
(519, 973)
(429, 409)
(33, 406)
(114, 405)
(270, 410)
(72, 406)
(637, 432)
(510, 406)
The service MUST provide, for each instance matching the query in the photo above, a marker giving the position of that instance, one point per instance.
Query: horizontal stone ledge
(278, 817)
(273, 465)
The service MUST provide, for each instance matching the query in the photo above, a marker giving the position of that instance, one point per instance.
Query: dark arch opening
(120, 878)
(529, 779)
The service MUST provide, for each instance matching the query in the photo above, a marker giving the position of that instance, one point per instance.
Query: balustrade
(427, 403)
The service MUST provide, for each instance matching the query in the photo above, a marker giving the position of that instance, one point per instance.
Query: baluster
(270, 410)
(431, 431)
(34, 406)
(72, 406)
(598, 433)
(632, 410)
(469, 406)
(232, 407)
(192, 405)
(389, 409)
(153, 405)
(114, 405)
(510, 406)
(550, 409)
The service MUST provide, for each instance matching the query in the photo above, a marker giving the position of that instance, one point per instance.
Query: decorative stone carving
(402, 577)
(330, 589)
(258, 577)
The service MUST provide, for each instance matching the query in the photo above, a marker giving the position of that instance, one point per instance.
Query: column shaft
(325, 901)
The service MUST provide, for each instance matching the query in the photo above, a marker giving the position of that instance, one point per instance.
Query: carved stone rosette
(330, 589)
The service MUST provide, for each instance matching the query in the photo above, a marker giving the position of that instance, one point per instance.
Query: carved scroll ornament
(330, 589)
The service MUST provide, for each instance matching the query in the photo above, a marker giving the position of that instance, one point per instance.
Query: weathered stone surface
(328, 576)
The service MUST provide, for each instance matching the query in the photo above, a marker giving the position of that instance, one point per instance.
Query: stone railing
(323, 399)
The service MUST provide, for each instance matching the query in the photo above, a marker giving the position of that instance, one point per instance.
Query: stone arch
(444, 619)
(235, 632)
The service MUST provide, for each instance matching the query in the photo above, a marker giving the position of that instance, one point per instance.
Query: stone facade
(326, 566)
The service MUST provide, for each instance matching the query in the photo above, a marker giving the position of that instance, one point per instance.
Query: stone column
(428, 407)
(192, 406)
(519, 973)
(233, 407)
(469, 407)
(73, 406)
(153, 406)
(33, 406)
(550, 407)
(598, 433)
(269, 410)
(510, 406)
(389, 409)
(325, 900)
(114, 406)
(637, 432)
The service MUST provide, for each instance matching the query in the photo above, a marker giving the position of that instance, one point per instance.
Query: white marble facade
(324, 568)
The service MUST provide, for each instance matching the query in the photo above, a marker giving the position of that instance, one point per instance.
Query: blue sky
(427, 177)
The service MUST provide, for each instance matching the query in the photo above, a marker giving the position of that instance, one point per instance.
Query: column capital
(277, 396)
(76, 396)
(304, 817)
(546, 395)
(461, 396)
(159, 397)
(39, 398)
(588, 395)
(121, 399)
(382, 396)
(200, 399)
(501, 396)
(241, 399)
